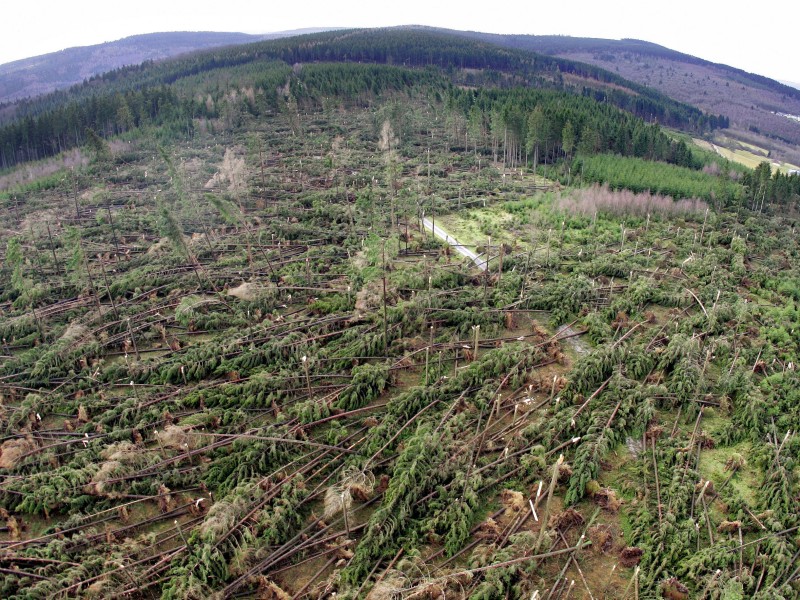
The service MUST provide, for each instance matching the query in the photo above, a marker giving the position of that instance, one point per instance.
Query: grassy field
(474, 227)
(742, 153)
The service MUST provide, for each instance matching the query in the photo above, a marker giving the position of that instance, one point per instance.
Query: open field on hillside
(742, 153)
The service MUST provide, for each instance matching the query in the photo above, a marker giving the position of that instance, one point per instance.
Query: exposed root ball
(12, 451)
(654, 432)
(390, 588)
(513, 500)
(361, 492)
(108, 470)
(269, 590)
(370, 297)
(620, 321)
(566, 520)
(630, 556)
(164, 498)
(335, 501)
(383, 484)
(674, 589)
(354, 484)
(427, 591)
(176, 438)
(488, 530)
(246, 291)
(564, 472)
(607, 498)
(602, 537)
(729, 526)
(706, 441)
(709, 489)
(735, 462)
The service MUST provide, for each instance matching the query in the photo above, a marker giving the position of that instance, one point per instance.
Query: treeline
(359, 82)
(65, 127)
(542, 126)
(210, 95)
(670, 114)
(128, 97)
(765, 188)
(426, 48)
(639, 99)
(400, 47)
(429, 48)
(528, 127)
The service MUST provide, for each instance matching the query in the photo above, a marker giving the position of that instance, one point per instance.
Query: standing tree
(538, 127)
(496, 126)
(568, 138)
(475, 126)
(102, 152)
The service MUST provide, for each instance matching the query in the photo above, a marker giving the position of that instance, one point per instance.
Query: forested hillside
(124, 99)
(344, 317)
(758, 109)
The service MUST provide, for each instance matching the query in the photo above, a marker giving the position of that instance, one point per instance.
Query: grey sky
(757, 38)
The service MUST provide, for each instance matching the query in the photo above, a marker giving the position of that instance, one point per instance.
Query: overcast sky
(761, 38)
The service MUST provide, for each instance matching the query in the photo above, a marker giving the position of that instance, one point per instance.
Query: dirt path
(460, 248)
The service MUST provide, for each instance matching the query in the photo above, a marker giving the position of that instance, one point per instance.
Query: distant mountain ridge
(41, 74)
(37, 75)
(557, 45)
